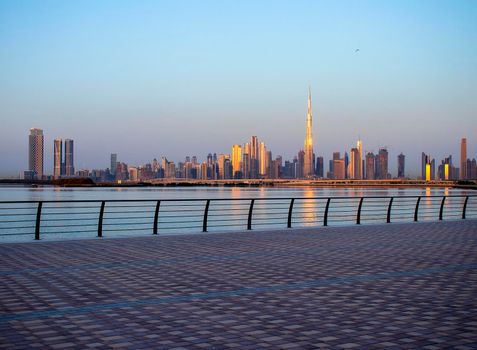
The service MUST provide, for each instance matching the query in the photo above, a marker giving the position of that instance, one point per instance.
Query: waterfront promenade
(393, 286)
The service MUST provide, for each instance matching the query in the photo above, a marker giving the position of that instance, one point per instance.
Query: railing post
(388, 217)
(325, 218)
(38, 220)
(358, 215)
(206, 213)
(416, 211)
(290, 211)
(464, 208)
(250, 211)
(156, 217)
(100, 220)
(441, 210)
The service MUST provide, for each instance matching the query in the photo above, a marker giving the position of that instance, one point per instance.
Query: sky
(146, 79)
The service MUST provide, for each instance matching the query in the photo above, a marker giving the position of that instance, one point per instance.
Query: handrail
(241, 213)
(224, 199)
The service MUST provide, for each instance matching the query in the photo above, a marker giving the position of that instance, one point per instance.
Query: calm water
(19, 193)
(80, 220)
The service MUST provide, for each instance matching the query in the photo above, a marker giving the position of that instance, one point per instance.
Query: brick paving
(395, 286)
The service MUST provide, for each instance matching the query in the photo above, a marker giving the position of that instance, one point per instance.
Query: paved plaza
(394, 286)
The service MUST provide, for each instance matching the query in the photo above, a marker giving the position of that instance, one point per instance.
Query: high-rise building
(320, 170)
(254, 154)
(370, 166)
(339, 169)
(69, 160)
(401, 160)
(382, 164)
(57, 158)
(114, 162)
(463, 158)
(35, 152)
(428, 167)
(359, 146)
(308, 168)
(262, 158)
(300, 165)
(237, 161)
(354, 164)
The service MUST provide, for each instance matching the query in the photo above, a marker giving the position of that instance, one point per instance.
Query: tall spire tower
(308, 170)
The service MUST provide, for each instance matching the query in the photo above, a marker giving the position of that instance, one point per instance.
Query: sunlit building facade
(237, 161)
(308, 164)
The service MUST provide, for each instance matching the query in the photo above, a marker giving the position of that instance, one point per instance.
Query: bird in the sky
(357, 50)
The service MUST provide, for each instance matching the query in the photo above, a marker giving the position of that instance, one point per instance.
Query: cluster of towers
(447, 170)
(63, 161)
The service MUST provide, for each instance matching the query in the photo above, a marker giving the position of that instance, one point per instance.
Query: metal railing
(39, 218)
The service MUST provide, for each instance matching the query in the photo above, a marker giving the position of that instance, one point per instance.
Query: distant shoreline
(86, 182)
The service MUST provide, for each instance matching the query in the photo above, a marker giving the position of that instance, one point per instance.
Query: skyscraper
(254, 150)
(319, 167)
(463, 158)
(354, 164)
(262, 158)
(236, 161)
(401, 159)
(69, 162)
(308, 169)
(114, 161)
(359, 146)
(370, 166)
(35, 152)
(428, 171)
(57, 158)
(382, 164)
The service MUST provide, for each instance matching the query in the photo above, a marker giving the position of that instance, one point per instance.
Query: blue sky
(148, 79)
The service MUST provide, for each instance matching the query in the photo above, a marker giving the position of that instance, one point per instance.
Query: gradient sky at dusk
(147, 79)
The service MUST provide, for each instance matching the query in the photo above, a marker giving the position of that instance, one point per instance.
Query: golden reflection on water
(310, 206)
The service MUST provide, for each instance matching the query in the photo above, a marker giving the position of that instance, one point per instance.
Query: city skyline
(164, 78)
(253, 160)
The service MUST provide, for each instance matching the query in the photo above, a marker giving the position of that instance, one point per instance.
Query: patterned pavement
(395, 286)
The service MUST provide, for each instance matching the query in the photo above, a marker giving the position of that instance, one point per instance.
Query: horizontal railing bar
(180, 216)
(69, 219)
(242, 222)
(228, 199)
(225, 225)
(183, 210)
(17, 227)
(45, 227)
(172, 228)
(272, 223)
(10, 221)
(125, 223)
(68, 232)
(268, 218)
(218, 209)
(16, 208)
(71, 213)
(128, 229)
(108, 211)
(127, 217)
(70, 207)
(17, 234)
(21, 214)
(212, 215)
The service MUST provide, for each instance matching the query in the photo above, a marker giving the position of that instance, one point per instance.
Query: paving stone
(389, 286)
